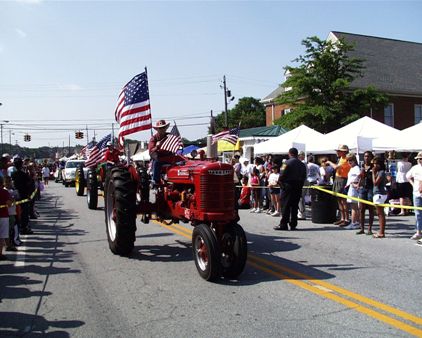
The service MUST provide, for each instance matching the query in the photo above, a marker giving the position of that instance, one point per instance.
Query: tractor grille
(216, 193)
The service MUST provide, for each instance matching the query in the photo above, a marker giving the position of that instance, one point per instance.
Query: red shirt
(112, 155)
(4, 197)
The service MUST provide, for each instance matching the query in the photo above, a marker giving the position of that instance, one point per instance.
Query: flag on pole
(230, 135)
(96, 153)
(85, 150)
(173, 142)
(133, 109)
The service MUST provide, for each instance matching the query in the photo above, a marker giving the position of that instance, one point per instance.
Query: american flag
(173, 142)
(230, 136)
(86, 150)
(96, 153)
(133, 108)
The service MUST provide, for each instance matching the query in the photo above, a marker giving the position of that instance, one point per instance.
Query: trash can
(323, 205)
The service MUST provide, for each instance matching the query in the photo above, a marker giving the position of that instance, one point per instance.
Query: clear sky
(63, 63)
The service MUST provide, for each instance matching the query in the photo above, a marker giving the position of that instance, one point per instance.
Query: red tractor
(200, 192)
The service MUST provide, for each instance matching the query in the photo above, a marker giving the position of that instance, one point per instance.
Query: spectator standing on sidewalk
(352, 190)
(404, 188)
(342, 170)
(291, 182)
(45, 172)
(366, 187)
(23, 184)
(274, 189)
(414, 175)
(380, 193)
(4, 218)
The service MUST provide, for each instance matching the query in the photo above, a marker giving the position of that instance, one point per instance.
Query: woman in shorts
(380, 193)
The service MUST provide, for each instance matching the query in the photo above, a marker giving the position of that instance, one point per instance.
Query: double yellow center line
(345, 297)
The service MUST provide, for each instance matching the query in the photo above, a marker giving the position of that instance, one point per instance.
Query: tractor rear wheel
(205, 252)
(80, 182)
(92, 189)
(234, 251)
(120, 211)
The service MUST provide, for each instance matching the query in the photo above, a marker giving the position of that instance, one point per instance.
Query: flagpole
(146, 73)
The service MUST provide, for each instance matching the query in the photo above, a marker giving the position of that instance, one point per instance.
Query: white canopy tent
(357, 135)
(301, 138)
(409, 140)
(141, 156)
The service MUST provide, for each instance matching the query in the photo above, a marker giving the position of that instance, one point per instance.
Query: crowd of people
(20, 184)
(280, 187)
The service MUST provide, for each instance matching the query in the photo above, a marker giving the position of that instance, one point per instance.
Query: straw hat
(419, 155)
(161, 124)
(343, 147)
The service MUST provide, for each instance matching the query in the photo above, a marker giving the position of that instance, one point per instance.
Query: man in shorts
(342, 168)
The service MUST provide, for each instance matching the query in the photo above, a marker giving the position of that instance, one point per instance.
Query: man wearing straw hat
(342, 170)
(155, 152)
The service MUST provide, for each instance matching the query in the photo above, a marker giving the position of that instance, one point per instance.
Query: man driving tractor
(158, 155)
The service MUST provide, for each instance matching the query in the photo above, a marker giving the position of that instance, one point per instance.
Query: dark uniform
(291, 182)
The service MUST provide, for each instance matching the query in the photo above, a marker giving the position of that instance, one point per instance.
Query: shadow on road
(43, 251)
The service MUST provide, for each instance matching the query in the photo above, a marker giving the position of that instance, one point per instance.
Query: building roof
(270, 131)
(391, 66)
(270, 97)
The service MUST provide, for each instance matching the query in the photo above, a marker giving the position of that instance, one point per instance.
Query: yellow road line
(323, 289)
(355, 306)
(340, 290)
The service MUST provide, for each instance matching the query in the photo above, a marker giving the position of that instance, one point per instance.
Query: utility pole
(225, 101)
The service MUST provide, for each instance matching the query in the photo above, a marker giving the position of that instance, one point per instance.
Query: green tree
(318, 90)
(248, 111)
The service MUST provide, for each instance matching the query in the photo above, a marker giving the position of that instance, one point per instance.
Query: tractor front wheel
(120, 211)
(234, 251)
(92, 190)
(205, 252)
(80, 182)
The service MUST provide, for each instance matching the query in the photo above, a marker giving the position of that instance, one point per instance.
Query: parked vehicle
(69, 171)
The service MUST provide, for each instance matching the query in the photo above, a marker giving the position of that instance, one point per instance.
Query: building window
(389, 115)
(418, 113)
(287, 110)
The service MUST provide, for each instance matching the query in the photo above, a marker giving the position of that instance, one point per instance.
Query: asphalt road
(319, 281)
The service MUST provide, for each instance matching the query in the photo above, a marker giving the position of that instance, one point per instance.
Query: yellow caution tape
(20, 201)
(363, 201)
(344, 196)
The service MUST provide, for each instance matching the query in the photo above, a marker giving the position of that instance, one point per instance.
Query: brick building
(393, 67)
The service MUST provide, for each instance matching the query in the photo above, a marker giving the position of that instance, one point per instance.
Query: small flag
(230, 135)
(133, 108)
(96, 153)
(173, 142)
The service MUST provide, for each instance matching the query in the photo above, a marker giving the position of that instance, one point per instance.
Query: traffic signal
(27, 138)
(79, 135)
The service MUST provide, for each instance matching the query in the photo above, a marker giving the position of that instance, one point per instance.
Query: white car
(69, 171)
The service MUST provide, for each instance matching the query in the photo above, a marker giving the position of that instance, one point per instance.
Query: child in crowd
(275, 189)
(45, 171)
(244, 201)
(5, 202)
(254, 183)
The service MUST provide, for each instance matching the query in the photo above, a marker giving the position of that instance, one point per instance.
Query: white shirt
(45, 172)
(416, 173)
(313, 172)
(402, 168)
(273, 179)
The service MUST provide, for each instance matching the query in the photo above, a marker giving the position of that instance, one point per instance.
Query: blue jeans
(417, 202)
